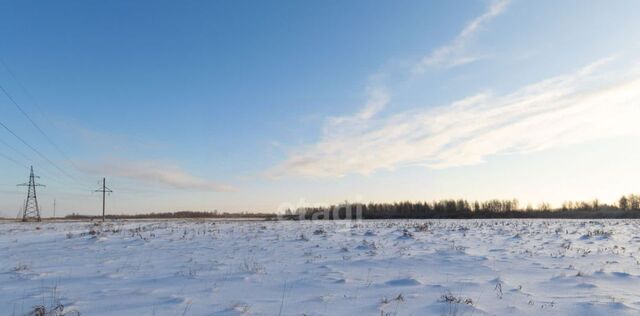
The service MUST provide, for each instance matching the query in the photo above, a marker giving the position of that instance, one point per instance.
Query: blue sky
(249, 106)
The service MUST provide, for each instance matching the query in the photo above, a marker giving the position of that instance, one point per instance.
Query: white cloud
(454, 54)
(377, 99)
(154, 172)
(378, 96)
(570, 109)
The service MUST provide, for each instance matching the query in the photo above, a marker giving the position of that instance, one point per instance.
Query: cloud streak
(157, 173)
(582, 106)
(377, 99)
(454, 54)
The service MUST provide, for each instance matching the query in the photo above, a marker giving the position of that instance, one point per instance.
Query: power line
(36, 151)
(46, 173)
(24, 89)
(9, 158)
(44, 134)
(12, 160)
(19, 152)
(24, 156)
(16, 150)
(32, 121)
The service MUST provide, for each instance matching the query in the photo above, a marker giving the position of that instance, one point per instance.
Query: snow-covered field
(443, 267)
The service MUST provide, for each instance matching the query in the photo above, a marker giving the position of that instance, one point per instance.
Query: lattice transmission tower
(31, 210)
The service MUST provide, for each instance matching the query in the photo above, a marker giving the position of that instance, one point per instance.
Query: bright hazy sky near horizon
(260, 105)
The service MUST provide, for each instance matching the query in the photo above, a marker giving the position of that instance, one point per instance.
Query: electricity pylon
(104, 191)
(31, 210)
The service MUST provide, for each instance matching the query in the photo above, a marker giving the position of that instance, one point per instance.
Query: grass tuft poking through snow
(378, 267)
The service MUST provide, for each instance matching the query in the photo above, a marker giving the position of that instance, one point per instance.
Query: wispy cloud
(377, 99)
(378, 95)
(157, 173)
(454, 53)
(578, 107)
(109, 141)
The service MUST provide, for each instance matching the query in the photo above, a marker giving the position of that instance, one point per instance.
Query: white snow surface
(392, 267)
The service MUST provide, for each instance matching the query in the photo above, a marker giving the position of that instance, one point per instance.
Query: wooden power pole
(104, 191)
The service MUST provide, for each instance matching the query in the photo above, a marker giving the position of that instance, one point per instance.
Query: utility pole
(31, 210)
(20, 210)
(104, 191)
(54, 208)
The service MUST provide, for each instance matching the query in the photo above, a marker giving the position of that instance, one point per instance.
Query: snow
(394, 267)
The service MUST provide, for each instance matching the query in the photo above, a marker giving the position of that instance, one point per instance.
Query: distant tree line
(629, 202)
(627, 207)
(181, 214)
